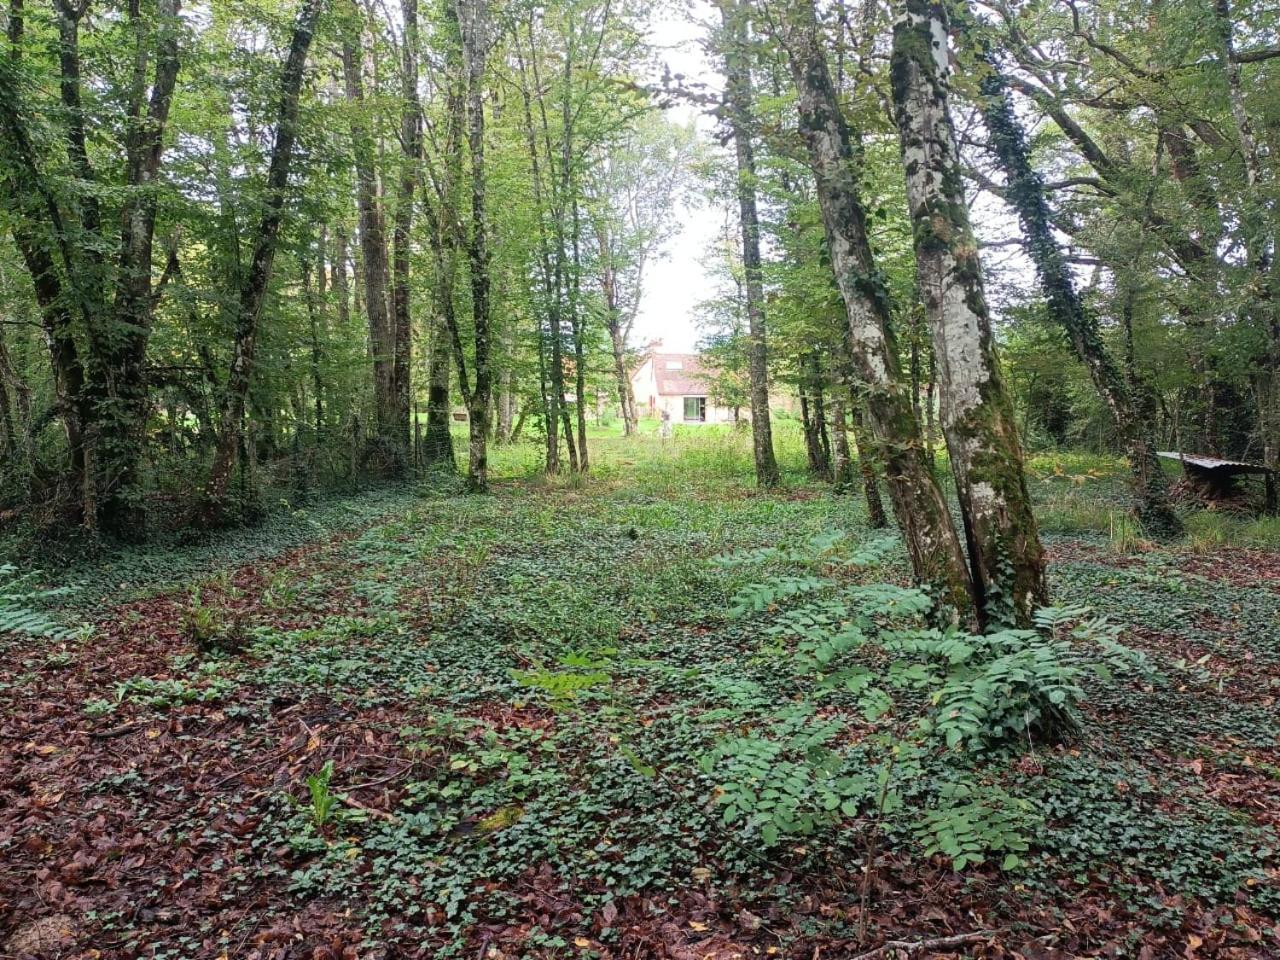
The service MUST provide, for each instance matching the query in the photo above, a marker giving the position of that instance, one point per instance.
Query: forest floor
(514, 693)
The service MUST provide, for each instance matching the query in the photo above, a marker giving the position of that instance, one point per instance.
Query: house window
(695, 408)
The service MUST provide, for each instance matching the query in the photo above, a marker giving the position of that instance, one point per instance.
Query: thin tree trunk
(842, 463)
(341, 285)
(254, 290)
(936, 554)
(473, 25)
(578, 323)
(739, 108)
(1005, 555)
(437, 444)
(317, 351)
(617, 336)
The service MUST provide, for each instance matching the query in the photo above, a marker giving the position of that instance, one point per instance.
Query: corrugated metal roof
(1213, 463)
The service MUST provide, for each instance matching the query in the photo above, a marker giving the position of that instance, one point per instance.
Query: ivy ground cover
(443, 725)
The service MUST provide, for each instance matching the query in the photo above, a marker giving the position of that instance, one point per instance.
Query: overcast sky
(677, 282)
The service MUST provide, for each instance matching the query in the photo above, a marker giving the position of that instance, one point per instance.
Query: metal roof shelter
(1215, 476)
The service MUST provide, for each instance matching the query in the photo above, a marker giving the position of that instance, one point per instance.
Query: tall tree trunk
(411, 144)
(1260, 242)
(977, 415)
(341, 285)
(473, 25)
(373, 252)
(253, 292)
(578, 323)
(739, 108)
(317, 351)
(118, 371)
(936, 554)
(1026, 193)
(506, 391)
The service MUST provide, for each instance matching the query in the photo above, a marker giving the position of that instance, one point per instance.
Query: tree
(977, 416)
(738, 112)
(254, 289)
(936, 554)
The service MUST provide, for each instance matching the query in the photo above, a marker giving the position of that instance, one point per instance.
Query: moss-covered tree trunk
(977, 416)
(936, 554)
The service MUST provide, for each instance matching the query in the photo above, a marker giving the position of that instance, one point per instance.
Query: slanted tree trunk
(936, 554)
(739, 109)
(977, 415)
(254, 289)
(617, 335)
(1026, 193)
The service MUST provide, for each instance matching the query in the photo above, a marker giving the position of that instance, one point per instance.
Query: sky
(675, 283)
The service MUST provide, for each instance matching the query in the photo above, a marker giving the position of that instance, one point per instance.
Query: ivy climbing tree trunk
(1026, 193)
(937, 557)
(739, 110)
(1005, 555)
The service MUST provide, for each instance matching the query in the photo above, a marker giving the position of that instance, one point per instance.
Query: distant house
(678, 383)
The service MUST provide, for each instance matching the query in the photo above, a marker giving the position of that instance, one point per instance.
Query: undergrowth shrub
(935, 702)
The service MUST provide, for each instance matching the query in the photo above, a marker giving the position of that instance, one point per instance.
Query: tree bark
(936, 555)
(411, 144)
(739, 109)
(472, 18)
(1005, 555)
(842, 462)
(617, 335)
(254, 289)
(437, 443)
(373, 252)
